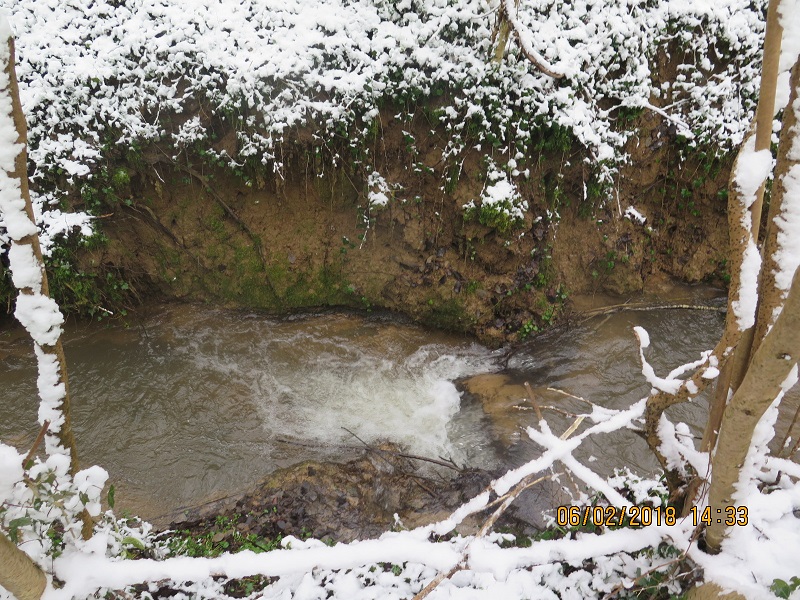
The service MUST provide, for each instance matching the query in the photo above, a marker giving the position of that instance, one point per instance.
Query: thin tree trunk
(771, 365)
(18, 573)
(60, 436)
(659, 402)
(775, 355)
(770, 295)
(733, 371)
(502, 33)
(765, 111)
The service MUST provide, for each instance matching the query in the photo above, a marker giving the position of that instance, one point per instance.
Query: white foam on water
(409, 402)
(318, 385)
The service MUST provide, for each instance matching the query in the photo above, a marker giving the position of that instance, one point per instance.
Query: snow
(98, 76)
(500, 195)
(10, 471)
(634, 215)
(525, 38)
(379, 191)
(744, 307)
(787, 255)
(790, 44)
(40, 315)
(670, 385)
(27, 271)
(752, 171)
(767, 547)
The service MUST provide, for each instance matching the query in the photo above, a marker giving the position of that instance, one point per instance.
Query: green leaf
(111, 491)
(14, 525)
(780, 588)
(132, 541)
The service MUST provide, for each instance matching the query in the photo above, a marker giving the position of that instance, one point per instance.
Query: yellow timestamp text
(613, 516)
(645, 516)
(727, 515)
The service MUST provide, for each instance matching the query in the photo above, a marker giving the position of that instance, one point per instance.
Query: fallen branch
(643, 307)
(504, 502)
(532, 398)
(440, 462)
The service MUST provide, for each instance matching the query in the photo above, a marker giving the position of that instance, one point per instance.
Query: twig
(573, 427)
(378, 451)
(36, 442)
(367, 446)
(553, 408)
(439, 579)
(442, 462)
(642, 307)
(504, 502)
(532, 398)
(675, 562)
(794, 448)
(509, 12)
(574, 397)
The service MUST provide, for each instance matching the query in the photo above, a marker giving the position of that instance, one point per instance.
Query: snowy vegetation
(99, 78)
(98, 75)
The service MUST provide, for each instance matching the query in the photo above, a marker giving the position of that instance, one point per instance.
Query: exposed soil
(185, 229)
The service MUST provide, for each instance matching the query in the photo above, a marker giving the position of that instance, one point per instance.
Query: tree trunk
(775, 356)
(502, 33)
(734, 369)
(771, 365)
(771, 295)
(19, 574)
(59, 437)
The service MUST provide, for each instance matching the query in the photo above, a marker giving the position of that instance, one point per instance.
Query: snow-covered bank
(96, 75)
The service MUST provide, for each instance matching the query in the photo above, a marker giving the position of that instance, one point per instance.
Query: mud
(341, 502)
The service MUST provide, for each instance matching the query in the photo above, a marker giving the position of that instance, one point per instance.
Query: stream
(189, 402)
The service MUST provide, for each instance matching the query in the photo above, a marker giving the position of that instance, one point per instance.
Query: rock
(501, 400)
(219, 536)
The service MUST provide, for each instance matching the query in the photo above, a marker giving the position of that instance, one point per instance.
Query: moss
(277, 287)
(449, 315)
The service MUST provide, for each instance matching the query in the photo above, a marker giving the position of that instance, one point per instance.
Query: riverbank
(470, 194)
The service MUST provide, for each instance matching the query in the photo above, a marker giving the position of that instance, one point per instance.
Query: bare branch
(508, 13)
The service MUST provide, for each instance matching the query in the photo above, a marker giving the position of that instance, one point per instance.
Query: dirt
(185, 229)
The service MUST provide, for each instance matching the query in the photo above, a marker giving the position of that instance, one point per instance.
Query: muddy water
(192, 402)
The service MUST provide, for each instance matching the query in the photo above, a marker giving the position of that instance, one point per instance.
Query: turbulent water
(194, 402)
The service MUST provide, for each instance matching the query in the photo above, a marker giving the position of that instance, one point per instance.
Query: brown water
(194, 402)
